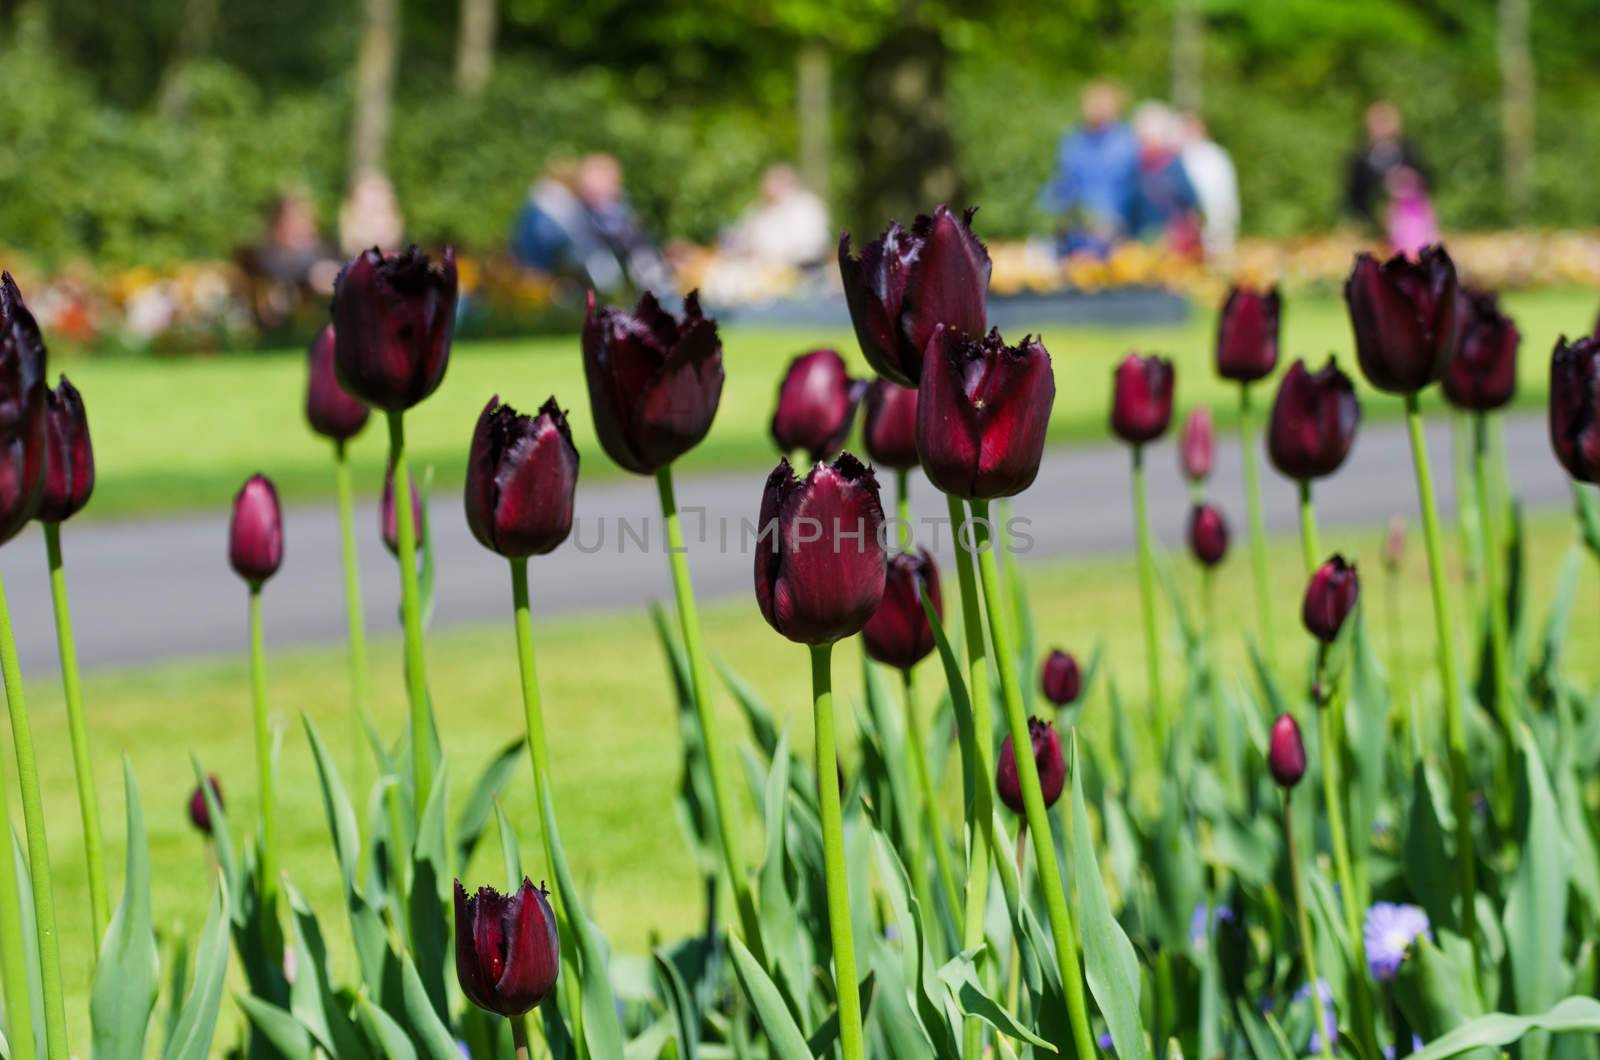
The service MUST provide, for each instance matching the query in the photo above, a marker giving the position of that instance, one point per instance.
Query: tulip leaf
(474, 815)
(221, 835)
(685, 1022)
(960, 974)
(1428, 865)
(1536, 902)
(1587, 503)
(975, 795)
(127, 974)
(1366, 723)
(192, 1034)
(1434, 986)
(784, 1038)
(281, 1030)
(781, 932)
(1263, 1044)
(695, 806)
(1575, 1015)
(430, 928)
(392, 1040)
(427, 1027)
(510, 850)
(930, 1001)
(312, 997)
(756, 711)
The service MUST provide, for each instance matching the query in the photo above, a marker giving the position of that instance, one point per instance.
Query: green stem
(930, 799)
(902, 496)
(1147, 595)
(1493, 584)
(13, 955)
(78, 733)
(728, 823)
(1038, 817)
(269, 809)
(1350, 891)
(1258, 527)
(1308, 951)
(1455, 724)
(411, 618)
(1227, 750)
(519, 1035)
(979, 844)
(532, 709)
(44, 902)
(844, 947)
(355, 624)
(1310, 546)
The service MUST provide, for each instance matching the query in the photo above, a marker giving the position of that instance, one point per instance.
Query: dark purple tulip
(69, 456)
(820, 565)
(890, 431)
(1208, 534)
(909, 282)
(330, 409)
(1330, 597)
(1483, 375)
(1247, 334)
(1196, 444)
(522, 472)
(508, 954)
(817, 402)
(1406, 318)
(199, 812)
(255, 536)
(1575, 407)
(23, 430)
(654, 381)
(1313, 421)
(393, 318)
(387, 525)
(898, 633)
(1046, 757)
(982, 411)
(1141, 398)
(1060, 679)
(1286, 752)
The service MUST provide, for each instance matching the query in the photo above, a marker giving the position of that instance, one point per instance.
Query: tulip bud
(1060, 679)
(255, 535)
(393, 318)
(1483, 375)
(820, 566)
(890, 431)
(982, 412)
(909, 282)
(1046, 758)
(1575, 407)
(522, 472)
(1406, 318)
(330, 409)
(816, 405)
(69, 457)
(1195, 445)
(1141, 400)
(898, 633)
(1286, 752)
(508, 955)
(387, 526)
(1313, 421)
(1330, 597)
(199, 812)
(1247, 334)
(23, 430)
(1208, 534)
(1394, 544)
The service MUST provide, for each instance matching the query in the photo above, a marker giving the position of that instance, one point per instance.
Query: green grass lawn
(612, 729)
(184, 434)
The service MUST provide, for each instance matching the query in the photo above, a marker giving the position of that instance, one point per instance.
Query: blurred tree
(475, 44)
(375, 64)
(1517, 104)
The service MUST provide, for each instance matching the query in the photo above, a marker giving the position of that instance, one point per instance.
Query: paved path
(156, 589)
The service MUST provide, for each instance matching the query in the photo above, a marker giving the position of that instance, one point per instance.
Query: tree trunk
(375, 63)
(475, 45)
(1188, 55)
(1517, 106)
(906, 151)
(813, 92)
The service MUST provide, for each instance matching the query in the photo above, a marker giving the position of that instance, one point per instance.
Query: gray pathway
(157, 589)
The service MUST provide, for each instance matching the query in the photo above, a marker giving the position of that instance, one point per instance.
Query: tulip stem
(728, 823)
(844, 947)
(1351, 894)
(519, 1035)
(1147, 595)
(44, 905)
(902, 499)
(1037, 815)
(533, 712)
(356, 628)
(88, 800)
(930, 798)
(979, 846)
(1258, 527)
(13, 956)
(1494, 587)
(1455, 725)
(269, 811)
(1310, 545)
(411, 618)
(1303, 922)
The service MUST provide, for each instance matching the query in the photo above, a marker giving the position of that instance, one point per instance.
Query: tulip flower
(909, 282)
(1196, 445)
(255, 535)
(69, 457)
(393, 318)
(1286, 752)
(1483, 375)
(388, 527)
(817, 402)
(1247, 334)
(1407, 318)
(508, 954)
(898, 633)
(1575, 407)
(1313, 422)
(890, 430)
(1208, 534)
(330, 408)
(522, 472)
(1141, 402)
(1060, 679)
(982, 412)
(23, 428)
(654, 380)
(1330, 597)
(199, 812)
(1047, 759)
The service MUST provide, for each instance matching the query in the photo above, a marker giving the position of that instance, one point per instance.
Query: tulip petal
(532, 951)
(948, 280)
(874, 289)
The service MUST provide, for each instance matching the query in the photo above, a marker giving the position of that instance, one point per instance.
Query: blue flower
(1200, 923)
(1390, 930)
(1330, 1029)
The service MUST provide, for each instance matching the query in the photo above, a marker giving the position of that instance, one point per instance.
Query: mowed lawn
(184, 434)
(611, 726)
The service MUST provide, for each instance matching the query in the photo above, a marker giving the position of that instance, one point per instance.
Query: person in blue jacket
(1097, 171)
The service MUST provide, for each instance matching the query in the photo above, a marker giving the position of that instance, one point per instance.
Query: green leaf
(1574, 1015)
(960, 974)
(428, 1030)
(313, 998)
(975, 791)
(474, 816)
(784, 1039)
(685, 1013)
(510, 851)
(191, 1036)
(756, 711)
(280, 1029)
(127, 975)
(430, 873)
(780, 920)
(221, 836)
(392, 1040)
(1536, 903)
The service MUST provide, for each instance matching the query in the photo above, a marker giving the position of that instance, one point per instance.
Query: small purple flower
(1416, 1047)
(1330, 1031)
(1390, 930)
(1104, 1041)
(1201, 923)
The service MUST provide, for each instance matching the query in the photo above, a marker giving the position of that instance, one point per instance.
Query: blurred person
(1384, 150)
(370, 217)
(1410, 219)
(1096, 170)
(1211, 174)
(637, 260)
(787, 227)
(1164, 201)
(291, 265)
(553, 233)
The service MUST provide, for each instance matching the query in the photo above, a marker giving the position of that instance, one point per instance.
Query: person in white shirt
(788, 227)
(1210, 170)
